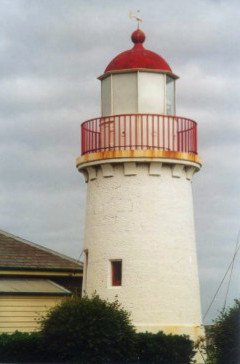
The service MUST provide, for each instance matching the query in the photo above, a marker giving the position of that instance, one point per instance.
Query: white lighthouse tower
(138, 159)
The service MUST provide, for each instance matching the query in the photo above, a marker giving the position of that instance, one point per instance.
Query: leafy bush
(23, 347)
(164, 349)
(223, 337)
(90, 330)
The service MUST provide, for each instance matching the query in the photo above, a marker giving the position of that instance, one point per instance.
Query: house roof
(30, 286)
(18, 253)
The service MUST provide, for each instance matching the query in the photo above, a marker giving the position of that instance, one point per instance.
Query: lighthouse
(138, 159)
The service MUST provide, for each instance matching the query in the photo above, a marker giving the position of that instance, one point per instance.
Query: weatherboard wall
(22, 313)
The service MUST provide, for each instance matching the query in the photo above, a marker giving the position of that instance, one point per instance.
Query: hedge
(148, 349)
(92, 330)
(164, 349)
(24, 347)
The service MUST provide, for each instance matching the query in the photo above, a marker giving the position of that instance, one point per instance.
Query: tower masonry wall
(142, 213)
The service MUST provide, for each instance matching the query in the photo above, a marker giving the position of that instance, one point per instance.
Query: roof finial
(137, 17)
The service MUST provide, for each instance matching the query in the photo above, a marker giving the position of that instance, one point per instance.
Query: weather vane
(137, 17)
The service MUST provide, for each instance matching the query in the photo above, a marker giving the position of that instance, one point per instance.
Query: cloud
(52, 52)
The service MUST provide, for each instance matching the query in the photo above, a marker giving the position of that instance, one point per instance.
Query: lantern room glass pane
(170, 96)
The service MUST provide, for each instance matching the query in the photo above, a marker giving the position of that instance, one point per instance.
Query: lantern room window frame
(116, 272)
(132, 79)
(170, 82)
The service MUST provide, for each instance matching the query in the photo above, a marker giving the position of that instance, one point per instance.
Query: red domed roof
(138, 57)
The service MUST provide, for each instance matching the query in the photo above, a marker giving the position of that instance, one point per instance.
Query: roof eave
(129, 70)
(35, 294)
(34, 269)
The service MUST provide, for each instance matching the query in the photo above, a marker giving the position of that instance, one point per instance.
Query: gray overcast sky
(51, 53)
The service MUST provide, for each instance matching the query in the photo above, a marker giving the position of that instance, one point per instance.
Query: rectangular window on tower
(116, 268)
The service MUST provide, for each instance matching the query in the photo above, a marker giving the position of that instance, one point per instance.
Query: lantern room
(138, 109)
(138, 81)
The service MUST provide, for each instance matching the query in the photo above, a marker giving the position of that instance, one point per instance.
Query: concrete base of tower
(194, 333)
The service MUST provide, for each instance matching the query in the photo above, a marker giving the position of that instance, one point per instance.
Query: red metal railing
(139, 131)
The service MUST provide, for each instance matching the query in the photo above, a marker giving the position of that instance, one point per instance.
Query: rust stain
(150, 154)
(193, 331)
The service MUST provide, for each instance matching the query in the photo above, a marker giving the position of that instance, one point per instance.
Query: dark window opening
(116, 273)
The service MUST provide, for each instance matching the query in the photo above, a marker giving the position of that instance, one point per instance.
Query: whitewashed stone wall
(142, 213)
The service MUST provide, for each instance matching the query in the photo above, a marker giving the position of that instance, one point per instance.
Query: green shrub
(164, 349)
(90, 330)
(23, 347)
(223, 337)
